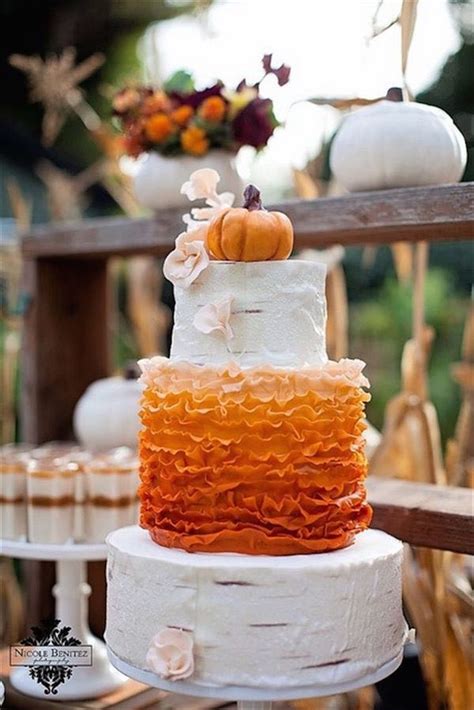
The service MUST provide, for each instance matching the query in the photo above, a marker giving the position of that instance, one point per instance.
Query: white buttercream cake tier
(278, 314)
(258, 621)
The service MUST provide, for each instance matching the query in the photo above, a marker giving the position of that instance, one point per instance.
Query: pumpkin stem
(131, 370)
(252, 198)
(394, 94)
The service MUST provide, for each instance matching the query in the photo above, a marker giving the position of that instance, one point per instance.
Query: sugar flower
(202, 185)
(184, 264)
(215, 317)
(170, 654)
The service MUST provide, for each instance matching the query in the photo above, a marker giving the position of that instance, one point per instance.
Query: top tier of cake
(277, 314)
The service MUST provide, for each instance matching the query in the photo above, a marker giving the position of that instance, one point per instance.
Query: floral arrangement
(179, 119)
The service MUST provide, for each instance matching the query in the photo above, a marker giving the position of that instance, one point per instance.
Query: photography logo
(51, 654)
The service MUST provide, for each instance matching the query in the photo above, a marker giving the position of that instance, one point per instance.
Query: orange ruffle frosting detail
(257, 461)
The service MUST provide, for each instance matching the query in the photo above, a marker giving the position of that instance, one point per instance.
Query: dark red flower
(195, 98)
(254, 124)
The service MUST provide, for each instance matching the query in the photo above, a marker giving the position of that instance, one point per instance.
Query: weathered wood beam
(65, 342)
(436, 213)
(424, 515)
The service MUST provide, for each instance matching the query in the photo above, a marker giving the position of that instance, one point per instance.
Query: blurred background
(340, 53)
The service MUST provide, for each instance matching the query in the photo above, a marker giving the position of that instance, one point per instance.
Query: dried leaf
(407, 24)
(402, 253)
(305, 186)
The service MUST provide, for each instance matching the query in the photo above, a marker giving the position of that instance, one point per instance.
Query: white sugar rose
(184, 264)
(170, 654)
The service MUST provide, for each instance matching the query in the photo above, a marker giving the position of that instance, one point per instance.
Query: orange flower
(213, 109)
(194, 141)
(158, 128)
(182, 114)
(156, 102)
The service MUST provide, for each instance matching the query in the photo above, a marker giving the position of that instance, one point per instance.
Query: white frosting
(278, 314)
(259, 621)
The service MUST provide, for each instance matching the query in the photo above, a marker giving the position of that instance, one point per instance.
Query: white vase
(157, 182)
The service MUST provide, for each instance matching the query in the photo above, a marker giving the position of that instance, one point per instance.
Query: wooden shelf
(425, 515)
(434, 213)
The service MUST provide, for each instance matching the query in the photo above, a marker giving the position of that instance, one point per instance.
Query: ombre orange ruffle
(258, 461)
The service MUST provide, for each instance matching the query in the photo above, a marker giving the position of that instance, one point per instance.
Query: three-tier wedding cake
(253, 567)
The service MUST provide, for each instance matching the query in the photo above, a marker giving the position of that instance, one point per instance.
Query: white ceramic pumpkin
(106, 415)
(397, 144)
(157, 182)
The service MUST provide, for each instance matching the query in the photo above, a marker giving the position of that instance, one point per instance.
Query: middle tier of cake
(258, 461)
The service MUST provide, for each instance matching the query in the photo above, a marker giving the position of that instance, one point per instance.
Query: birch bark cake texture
(252, 447)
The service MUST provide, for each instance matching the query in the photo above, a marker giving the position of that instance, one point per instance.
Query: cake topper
(223, 232)
(250, 233)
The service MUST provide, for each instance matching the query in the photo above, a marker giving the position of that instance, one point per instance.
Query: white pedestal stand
(71, 592)
(253, 698)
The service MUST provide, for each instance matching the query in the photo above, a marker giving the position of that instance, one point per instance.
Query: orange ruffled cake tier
(257, 461)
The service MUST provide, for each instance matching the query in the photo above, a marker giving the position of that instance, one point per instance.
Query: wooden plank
(65, 344)
(424, 515)
(433, 213)
(65, 348)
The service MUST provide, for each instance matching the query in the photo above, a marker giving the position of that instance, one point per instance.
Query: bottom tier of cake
(322, 620)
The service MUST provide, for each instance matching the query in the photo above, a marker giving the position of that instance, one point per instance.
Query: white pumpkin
(157, 182)
(106, 415)
(397, 144)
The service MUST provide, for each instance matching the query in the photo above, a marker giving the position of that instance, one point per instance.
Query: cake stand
(253, 698)
(71, 592)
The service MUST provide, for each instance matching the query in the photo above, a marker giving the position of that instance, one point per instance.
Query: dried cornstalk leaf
(20, 205)
(411, 442)
(419, 603)
(420, 267)
(338, 313)
(407, 23)
(460, 449)
(305, 187)
(458, 673)
(402, 253)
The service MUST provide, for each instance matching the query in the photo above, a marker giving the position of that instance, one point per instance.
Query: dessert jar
(111, 483)
(50, 489)
(70, 452)
(13, 465)
(80, 459)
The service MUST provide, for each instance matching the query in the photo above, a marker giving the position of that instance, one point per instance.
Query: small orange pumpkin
(250, 233)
